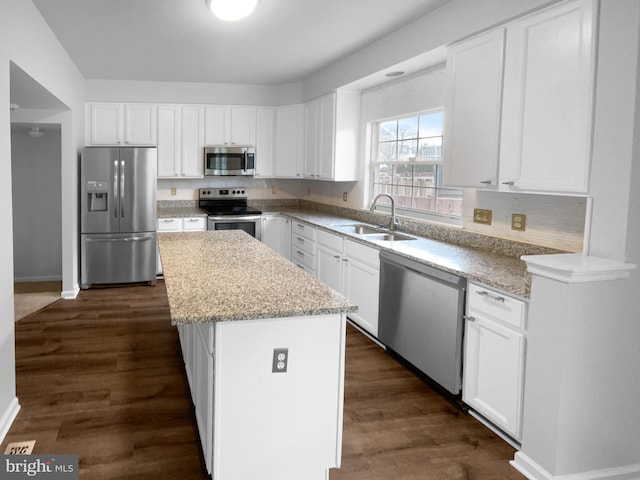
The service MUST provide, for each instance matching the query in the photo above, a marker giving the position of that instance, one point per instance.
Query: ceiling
(283, 41)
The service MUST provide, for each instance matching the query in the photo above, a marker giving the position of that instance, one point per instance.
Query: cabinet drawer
(299, 256)
(300, 242)
(304, 230)
(496, 305)
(330, 240)
(367, 255)
(194, 223)
(169, 224)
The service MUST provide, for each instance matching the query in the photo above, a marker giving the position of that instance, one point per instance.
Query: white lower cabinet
(303, 246)
(494, 355)
(352, 269)
(276, 233)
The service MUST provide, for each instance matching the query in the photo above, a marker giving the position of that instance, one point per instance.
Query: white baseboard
(43, 278)
(70, 294)
(8, 417)
(533, 471)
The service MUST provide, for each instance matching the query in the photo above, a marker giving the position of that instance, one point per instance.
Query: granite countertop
(504, 272)
(181, 212)
(228, 275)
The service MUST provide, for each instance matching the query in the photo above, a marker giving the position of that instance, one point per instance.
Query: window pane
(430, 149)
(431, 125)
(425, 176)
(388, 131)
(408, 128)
(387, 151)
(382, 176)
(424, 199)
(407, 151)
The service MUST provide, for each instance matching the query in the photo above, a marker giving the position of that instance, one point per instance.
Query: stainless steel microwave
(226, 160)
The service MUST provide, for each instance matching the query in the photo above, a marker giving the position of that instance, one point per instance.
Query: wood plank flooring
(102, 377)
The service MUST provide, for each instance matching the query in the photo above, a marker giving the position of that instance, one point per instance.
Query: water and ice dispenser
(97, 196)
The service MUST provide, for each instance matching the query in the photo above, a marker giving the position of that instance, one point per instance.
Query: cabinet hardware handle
(495, 298)
(469, 318)
(345, 259)
(300, 239)
(511, 183)
(336, 256)
(486, 182)
(300, 253)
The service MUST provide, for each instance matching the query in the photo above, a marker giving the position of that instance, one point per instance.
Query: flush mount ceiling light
(231, 10)
(35, 132)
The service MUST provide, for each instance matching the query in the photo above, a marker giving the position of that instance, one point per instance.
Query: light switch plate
(482, 216)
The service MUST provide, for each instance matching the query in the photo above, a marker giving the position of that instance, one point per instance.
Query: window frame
(403, 211)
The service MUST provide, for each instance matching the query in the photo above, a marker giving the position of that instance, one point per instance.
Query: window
(407, 164)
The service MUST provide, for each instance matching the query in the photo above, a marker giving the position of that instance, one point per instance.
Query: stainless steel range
(227, 209)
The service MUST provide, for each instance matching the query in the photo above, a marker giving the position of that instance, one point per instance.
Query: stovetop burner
(225, 201)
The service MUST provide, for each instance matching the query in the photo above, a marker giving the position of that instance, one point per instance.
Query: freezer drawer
(117, 258)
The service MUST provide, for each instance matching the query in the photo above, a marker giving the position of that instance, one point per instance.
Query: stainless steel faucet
(394, 221)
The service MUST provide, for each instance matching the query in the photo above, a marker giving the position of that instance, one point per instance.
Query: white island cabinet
(266, 365)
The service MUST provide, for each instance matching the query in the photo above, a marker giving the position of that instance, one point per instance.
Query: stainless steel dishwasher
(421, 317)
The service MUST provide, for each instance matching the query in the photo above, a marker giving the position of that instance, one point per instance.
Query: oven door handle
(235, 218)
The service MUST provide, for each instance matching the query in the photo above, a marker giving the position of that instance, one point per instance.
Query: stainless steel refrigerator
(118, 215)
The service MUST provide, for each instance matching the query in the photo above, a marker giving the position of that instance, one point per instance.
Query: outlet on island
(274, 190)
(173, 190)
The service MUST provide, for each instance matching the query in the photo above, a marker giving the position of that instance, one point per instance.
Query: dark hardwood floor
(102, 377)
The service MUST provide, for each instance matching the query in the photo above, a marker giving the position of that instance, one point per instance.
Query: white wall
(26, 40)
(37, 215)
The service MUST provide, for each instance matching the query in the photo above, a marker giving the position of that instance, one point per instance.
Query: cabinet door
(140, 124)
(311, 134)
(204, 395)
(216, 125)
(276, 233)
(329, 260)
(169, 144)
(548, 99)
(265, 131)
(105, 124)
(192, 141)
(289, 138)
(493, 372)
(473, 112)
(326, 138)
(361, 283)
(243, 125)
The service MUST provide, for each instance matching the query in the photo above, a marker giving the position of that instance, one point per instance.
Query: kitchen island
(263, 344)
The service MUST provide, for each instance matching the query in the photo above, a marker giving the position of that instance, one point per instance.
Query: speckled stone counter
(504, 272)
(180, 212)
(228, 275)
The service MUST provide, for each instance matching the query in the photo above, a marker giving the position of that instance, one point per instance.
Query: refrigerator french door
(118, 215)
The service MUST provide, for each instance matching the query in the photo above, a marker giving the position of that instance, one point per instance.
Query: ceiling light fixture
(231, 10)
(35, 132)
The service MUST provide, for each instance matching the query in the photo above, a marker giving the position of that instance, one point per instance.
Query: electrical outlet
(274, 190)
(173, 190)
(482, 216)
(309, 191)
(345, 196)
(518, 221)
(280, 360)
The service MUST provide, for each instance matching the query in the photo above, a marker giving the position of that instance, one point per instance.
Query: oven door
(252, 224)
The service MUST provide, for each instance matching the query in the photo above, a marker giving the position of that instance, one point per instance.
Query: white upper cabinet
(126, 124)
(230, 125)
(180, 141)
(288, 147)
(331, 136)
(472, 128)
(524, 123)
(265, 132)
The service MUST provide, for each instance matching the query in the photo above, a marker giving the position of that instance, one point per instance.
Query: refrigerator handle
(122, 170)
(115, 188)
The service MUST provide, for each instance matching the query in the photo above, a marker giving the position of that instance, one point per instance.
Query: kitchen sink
(373, 233)
(387, 237)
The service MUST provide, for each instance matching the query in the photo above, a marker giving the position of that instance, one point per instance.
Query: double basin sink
(373, 233)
